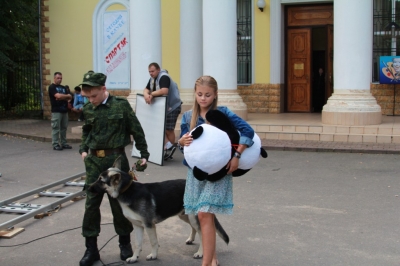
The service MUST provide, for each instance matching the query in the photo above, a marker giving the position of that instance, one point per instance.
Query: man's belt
(106, 152)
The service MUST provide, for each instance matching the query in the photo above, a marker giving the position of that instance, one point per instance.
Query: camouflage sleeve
(86, 128)
(136, 130)
(85, 132)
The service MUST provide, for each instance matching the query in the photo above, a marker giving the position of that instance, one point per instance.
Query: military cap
(94, 79)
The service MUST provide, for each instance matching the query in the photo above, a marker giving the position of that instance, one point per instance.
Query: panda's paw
(199, 174)
(218, 175)
(196, 133)
(240, 172)
(263, 153)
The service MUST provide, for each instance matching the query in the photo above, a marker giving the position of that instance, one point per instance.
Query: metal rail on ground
(30, 210)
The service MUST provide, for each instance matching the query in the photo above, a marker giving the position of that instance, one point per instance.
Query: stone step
(353, 134)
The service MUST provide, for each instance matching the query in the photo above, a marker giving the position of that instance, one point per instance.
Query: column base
(233, 101)
(132, 98)
(229, 98)
(187, 97)
(352, 108)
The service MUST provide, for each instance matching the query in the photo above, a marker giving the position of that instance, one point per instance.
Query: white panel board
(152, 118)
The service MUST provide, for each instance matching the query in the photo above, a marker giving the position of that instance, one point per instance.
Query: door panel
(329, 60)
(298, 69)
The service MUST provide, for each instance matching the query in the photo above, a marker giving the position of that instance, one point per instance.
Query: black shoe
(126, 251)
(169, 152)
(89, 258)
(91, 253)
(57, 148)
(66, 146)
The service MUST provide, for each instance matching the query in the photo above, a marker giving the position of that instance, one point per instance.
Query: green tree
(19, 35)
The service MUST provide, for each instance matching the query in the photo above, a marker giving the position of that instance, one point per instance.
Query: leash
(133, 175)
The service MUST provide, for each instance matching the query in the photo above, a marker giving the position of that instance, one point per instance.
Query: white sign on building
(116, 49)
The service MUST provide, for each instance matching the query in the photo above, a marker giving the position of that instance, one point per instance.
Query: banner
(389, 69)
(116, 52)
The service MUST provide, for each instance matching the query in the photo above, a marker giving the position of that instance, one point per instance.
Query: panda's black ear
(217, 118)
(196, 133)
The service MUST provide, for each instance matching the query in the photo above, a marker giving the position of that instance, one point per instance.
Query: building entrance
(309, 57)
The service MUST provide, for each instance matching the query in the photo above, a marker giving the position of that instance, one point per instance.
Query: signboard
(389, 70)
(152, 118)
(115, 51)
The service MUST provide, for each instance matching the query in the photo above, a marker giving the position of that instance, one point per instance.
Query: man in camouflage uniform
(109, 124)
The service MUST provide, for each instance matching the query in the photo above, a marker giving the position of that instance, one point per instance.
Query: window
(386, 38)
(244, 64)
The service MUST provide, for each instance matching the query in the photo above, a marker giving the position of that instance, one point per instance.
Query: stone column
(145, 41)
(191, 49)
(352, 103)
(220, 51)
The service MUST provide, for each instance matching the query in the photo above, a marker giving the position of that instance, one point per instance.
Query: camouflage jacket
(110, 126)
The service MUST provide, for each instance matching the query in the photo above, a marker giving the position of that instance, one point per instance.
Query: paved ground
(293, 208)
(40, 130)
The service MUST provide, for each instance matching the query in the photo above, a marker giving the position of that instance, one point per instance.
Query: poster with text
(116, 49)
(389, 69)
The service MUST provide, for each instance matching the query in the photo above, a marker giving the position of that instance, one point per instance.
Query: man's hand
(144, 161)
(83, 155)
(62, 97)
(148, 98)
(140, 165)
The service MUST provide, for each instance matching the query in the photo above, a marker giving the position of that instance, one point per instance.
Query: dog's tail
(220, 231)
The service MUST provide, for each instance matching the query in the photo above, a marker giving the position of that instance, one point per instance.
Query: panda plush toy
(214, 145)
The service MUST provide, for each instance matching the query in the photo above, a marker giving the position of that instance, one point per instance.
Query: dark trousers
(92, 217)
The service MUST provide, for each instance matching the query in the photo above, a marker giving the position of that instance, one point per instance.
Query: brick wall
(388, 97)
(262, 98)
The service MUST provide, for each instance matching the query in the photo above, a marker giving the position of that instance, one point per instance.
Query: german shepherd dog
(145, 205)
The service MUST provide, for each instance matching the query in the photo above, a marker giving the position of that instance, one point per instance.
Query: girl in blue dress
(207, 198)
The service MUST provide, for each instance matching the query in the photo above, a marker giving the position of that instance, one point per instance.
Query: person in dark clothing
(160, 83)
(59, 97)
(109, 124)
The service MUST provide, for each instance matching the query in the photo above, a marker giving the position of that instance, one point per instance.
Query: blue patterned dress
(212, 197)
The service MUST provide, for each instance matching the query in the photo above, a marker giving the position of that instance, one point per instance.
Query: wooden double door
(309, 48)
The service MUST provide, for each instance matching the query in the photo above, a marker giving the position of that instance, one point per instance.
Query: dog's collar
(126, 187)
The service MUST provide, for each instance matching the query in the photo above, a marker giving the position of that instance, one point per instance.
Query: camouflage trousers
(92, 217)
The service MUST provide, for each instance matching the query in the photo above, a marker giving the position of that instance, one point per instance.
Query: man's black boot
(125, 247)
(91, 253)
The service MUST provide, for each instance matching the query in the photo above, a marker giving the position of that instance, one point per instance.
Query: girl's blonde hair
(205, 81)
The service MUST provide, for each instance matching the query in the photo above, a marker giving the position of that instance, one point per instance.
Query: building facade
(267, 55)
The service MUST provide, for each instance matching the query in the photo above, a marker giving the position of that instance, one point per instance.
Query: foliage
(19, 32)
(19, 35)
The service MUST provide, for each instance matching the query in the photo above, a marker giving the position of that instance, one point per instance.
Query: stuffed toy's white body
(211, 151)
(251, 155)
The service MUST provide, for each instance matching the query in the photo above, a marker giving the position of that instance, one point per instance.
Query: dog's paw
(132, 259)
(198, 255)
(151, 257)
(189, 241)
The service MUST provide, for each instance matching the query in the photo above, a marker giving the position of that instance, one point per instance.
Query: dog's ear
(117, 163)
(115, 179)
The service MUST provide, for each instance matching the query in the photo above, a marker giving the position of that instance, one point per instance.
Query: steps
(308, 127)
(353, 134)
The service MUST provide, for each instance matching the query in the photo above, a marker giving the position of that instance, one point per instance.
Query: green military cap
(94, 79)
